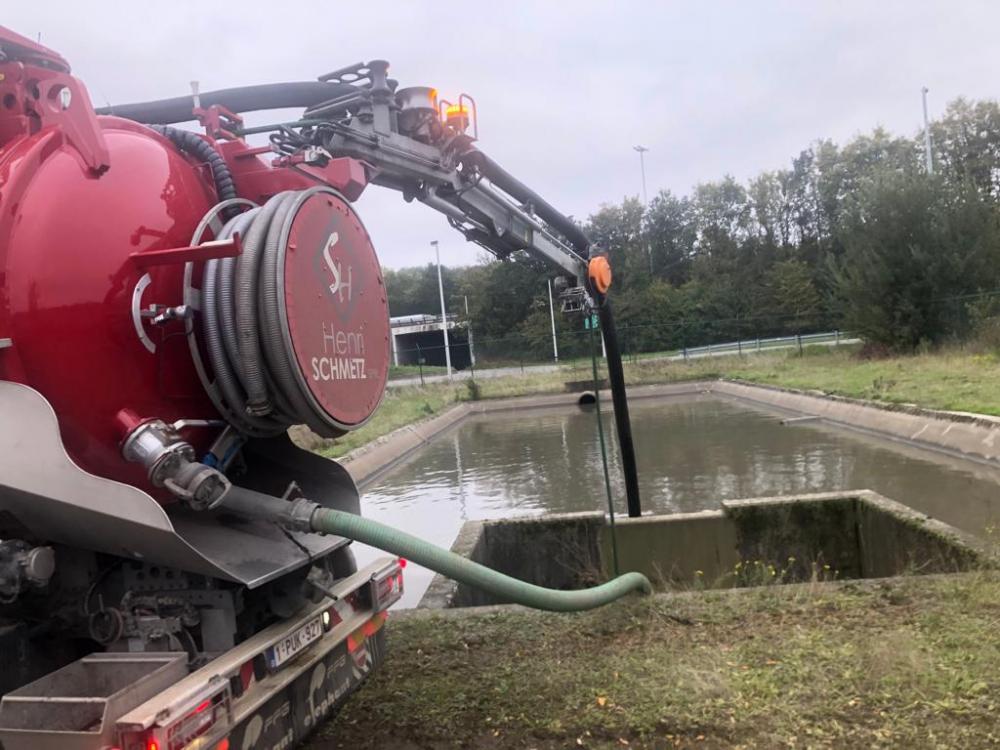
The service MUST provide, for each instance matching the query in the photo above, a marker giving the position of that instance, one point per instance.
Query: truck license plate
(294, 643)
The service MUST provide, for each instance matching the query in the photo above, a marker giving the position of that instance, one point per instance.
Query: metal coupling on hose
(294, 515)
(170, 462)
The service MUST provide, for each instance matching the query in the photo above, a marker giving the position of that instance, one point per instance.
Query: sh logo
(339, 286)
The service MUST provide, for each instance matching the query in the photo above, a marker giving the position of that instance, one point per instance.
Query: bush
(474, 392)
(913, 245)
(984, 320)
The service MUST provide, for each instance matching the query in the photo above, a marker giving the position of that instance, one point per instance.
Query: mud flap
(287, 717)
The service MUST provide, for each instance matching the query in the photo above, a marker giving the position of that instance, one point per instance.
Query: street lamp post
(929, 159)
(645, 197)
(552, 317)
(468, 325)
(642, 166)
(444, 314)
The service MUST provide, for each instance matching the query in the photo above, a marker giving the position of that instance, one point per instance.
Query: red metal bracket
(218, 122)
(347, 175)
(37, 97)
(228, 248)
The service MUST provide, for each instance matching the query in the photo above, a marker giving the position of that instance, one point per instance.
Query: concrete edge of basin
(860, 533)
(975, 437)
(970, 436)
(441, 591)
(932, 525)
(790, 591)
(372, 460)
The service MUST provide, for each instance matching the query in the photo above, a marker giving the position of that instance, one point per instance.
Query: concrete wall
(893, 538)
(674, 548)
(858, 535)
(788, 533)
(827, 535)
(561, 549)
(975, 436)
(970, 436)
(671, 548)
(794, 534)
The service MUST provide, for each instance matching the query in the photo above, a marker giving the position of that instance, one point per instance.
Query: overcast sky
(565, 89)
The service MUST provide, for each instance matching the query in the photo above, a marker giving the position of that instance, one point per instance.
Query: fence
(522, 351)
(971, 317)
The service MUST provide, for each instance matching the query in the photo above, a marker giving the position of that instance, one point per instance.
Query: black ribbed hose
(292, 94)
(199, 148)
(517, 189)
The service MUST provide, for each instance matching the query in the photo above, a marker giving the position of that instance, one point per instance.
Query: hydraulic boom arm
(424, 148)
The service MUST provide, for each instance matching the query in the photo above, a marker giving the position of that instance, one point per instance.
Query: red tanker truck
(174, 572)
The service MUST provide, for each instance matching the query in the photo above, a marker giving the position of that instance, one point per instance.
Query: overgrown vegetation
(855, 236)
(912, 663)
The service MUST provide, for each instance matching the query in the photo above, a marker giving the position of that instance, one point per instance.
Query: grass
(912, 663)
(908, 663)
(952, 380)
(398, 372)
(400, 407)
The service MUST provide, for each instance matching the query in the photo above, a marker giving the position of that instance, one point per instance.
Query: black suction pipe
(241, 99)
(616, 375)
(623, 423)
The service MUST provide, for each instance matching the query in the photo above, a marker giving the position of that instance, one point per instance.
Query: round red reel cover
(336, 309)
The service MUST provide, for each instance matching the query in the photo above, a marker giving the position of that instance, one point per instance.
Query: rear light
(331, 618)
(204, 725)
(387, 586)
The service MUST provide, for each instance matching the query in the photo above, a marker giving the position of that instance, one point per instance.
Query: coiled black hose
(201, 149)
(251, 358)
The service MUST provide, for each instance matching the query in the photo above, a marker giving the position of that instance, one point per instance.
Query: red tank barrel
(99, 334)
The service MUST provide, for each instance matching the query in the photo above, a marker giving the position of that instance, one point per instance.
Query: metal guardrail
(744, 346)
(831, 338)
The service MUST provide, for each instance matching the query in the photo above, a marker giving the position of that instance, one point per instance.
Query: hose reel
(294, 330)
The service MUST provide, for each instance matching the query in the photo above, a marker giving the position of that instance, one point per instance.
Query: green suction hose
(367, 531)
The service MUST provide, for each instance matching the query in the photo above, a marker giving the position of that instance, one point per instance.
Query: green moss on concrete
(796, 534)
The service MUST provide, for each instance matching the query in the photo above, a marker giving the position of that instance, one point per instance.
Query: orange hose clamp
(599, 271)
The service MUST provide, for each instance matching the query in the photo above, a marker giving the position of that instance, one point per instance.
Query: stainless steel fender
(60, 502)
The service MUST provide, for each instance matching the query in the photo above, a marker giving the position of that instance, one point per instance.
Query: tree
(854, 230)
(912, 246)
(966, 145)
(415, 290)
(671, 233)
(793, 294)
(617, 229)
(501, 294)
